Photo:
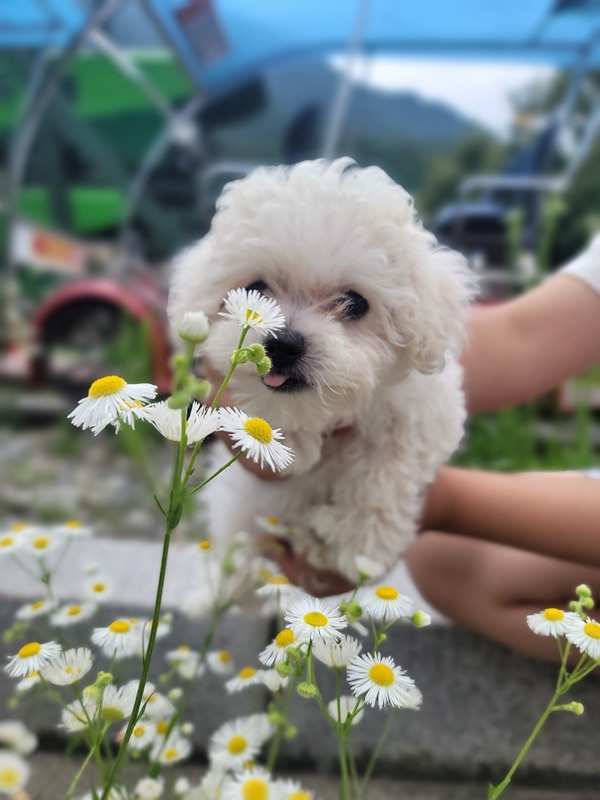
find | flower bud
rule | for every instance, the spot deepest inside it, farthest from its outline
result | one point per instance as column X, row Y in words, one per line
column 284, row 669
column 420, row 619
column 587, row 602
column 307, row 690
column 175, row 694
column 238, row 357
column 583, row 590
column 256, row 353
column 178, row 401
column 291, row 732
column 199, row 389
column 194, row 327
column 354, row 611
column 264, row 366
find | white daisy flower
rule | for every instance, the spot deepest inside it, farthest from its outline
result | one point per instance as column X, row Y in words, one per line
column 32, row 610
column 385, row 603
column 72, row 529
column 210, row 787
column 273, row 680
column 415, row 699
column 28, row 682
column 552, row 621
column 248, row 676
column 31, row 658
column 111, row 400
column 585, row 635
column 40, row 544
column 165, row 623
column 272, row 524
column 68, row 667
column 149, row 789
column 201, row 421
column 251, row 785
column 79, row 714
column 276, row 652
column 187, row 662
column 310, row 618
column 98, row 589
column 380, row 681
column 251, row 309
column 17, row 528
column 238, row 741
column 347, row 706
column 220, row 662
column 158, row 706
column 117, row 702
column 142, row 736
column 336, row 651
column 121, row 638
column 292, row 790
column 14, row 773
column 17, row 736
column 9, row 542
column 71, row 614
column 278, row 586
column 256, row 438
column 171, row 750
column 194, row 327
column 367, row 568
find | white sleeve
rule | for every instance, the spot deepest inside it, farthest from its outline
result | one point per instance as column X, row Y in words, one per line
column 587, row 265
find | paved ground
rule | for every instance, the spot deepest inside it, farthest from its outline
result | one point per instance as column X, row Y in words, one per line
column 52, row 774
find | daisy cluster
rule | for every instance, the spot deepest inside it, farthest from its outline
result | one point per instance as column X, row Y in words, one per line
column 38, row 541
column 576, row 626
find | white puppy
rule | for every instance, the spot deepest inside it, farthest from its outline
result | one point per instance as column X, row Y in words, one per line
column 365, row 383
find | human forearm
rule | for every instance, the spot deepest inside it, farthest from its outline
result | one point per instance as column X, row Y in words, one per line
column 554, row 514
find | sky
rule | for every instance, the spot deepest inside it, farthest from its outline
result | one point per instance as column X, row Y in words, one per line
column 479, row 90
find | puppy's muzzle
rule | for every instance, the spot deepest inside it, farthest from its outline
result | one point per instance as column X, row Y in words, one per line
column 285, row 351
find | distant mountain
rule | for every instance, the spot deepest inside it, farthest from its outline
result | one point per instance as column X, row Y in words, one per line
column 396, row 130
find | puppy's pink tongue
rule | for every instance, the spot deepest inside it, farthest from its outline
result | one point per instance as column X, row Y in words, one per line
column 274, row 380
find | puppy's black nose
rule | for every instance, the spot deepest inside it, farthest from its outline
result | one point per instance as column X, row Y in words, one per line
column 284, row 350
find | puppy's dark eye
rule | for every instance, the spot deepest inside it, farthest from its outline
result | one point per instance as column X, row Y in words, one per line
column 259, row 286
column 353, row 305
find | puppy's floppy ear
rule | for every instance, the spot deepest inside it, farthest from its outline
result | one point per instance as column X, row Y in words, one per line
column 431, row 320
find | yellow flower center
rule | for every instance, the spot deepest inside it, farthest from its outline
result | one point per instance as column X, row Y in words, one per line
column 183, row 648
column 171, row 753
column 592, row 629
column 386, row 593
column 112, row 713
column 247, row 672
column 99, row 588
column 162, row 726
column 41, row 543
column 68, row 670
column 139, row 731
column 381, row 674
column 204, row 545
column 284, row 638
column 255, row 789
column 299, row 795
column 315, row 619
column 36, row 606
column 237, row 745
column 119, row 626
column 259, row 430
column 73, row 524
column 104, row 386
column 273, row 520
column 10, row 778
column 279, row 580
column 31, row 649
column 224, row 656
column 74, row 611
column 253, row 316
column 6, row 541
column 554, row 614
column 18, row 527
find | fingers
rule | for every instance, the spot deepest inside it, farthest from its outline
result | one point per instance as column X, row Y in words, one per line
column 317, row 582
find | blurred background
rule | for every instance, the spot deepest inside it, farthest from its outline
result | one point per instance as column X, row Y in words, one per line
column 122, row 120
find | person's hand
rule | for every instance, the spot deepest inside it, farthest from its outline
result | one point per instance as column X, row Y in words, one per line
column 317, row 582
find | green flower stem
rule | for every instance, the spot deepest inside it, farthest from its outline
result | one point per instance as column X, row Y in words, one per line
column 285, row 712
column 496, row 791
column 345, row 793
column 93, row 752
column 218, row 472
column 377, row 750
column 232, row 367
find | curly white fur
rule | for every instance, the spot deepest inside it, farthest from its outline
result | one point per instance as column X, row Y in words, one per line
column 383, row 408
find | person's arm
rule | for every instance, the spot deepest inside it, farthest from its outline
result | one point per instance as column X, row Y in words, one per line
column 553, row 514
column 523, row 347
